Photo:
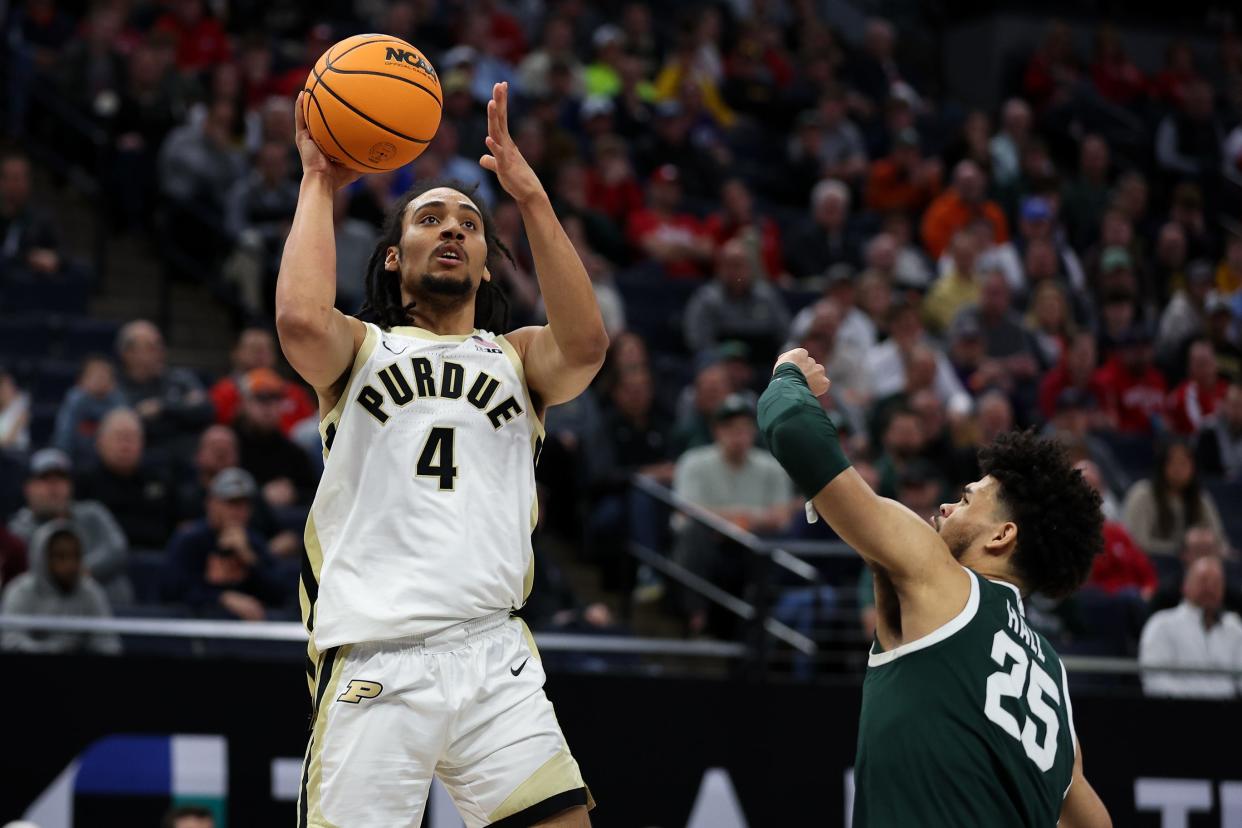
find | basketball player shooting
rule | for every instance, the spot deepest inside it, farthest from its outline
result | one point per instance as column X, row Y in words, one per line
column 966, row 715
column 418, row 542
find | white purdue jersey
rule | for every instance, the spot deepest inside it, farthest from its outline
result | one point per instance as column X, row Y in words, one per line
column 424, row 513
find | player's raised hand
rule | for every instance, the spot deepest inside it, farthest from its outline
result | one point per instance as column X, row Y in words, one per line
column 812, row 370
column 313, row 159
column 506, row 160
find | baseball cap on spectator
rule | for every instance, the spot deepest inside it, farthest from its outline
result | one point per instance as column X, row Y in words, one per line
column 606, row 35
column 50, row 461
column 1114, row 258
column 262, row 381
column 233, row 484
column 732, row 349
column 665, row 174
column 1200, row 272
column 1036, row 208
column 459, row 56
column 965, row 326
column 596, row 105
column 734, row 405
column 908, row 137
column 455, row 80
column 838, row 274
column 1075, row 399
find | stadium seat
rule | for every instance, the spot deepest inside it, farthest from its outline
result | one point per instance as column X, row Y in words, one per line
column 1228, row 496
column 51, row 379
column 146, row 572
column 83, row 335
column 42, row 422
column 26, row 335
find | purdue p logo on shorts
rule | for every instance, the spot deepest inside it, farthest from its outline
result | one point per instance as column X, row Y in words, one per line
column 359, row 690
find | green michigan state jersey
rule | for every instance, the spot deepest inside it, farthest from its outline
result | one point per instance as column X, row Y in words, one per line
column 969, row 725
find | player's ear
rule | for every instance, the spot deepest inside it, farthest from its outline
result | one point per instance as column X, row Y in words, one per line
column 487, row 273
column 1004, row 536
column 393, row 260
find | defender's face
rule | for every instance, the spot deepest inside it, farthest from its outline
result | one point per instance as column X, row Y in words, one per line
column 443, row 250
column 975, row 512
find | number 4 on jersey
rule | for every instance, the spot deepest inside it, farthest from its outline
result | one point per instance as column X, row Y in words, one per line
column 436, row 458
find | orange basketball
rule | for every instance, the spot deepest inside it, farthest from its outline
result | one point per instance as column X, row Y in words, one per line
column 372, row 103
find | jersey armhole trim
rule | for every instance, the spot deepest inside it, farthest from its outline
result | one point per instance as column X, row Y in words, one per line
column 943, row 632
column 360, row 359
column 512, row 354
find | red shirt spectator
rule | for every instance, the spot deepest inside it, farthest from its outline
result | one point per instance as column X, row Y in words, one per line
column 738, row 218
column 674, row 239
column 201, row 40
column 226, row 396
column 1131, row 389
column 1194, row 401
column 12, row 556
column 1116, row 77
column 1122, row 564
column 612, row 188
column 904, row 180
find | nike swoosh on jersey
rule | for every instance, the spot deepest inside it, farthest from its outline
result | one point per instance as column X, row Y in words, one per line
column 389, row 347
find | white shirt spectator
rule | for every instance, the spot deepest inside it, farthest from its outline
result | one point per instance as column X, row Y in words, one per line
column 1177, row 637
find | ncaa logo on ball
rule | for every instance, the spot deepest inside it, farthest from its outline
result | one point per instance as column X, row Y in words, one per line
column 414, row 59
column 380, row 152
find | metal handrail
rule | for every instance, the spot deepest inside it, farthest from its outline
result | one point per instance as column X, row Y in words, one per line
column 713, row 593
column 291, row 631
column 716, row 523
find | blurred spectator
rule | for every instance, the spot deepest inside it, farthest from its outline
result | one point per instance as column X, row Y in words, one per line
column 612, row 188
column 840, row 151
column 957, row 287
column 1219, row 450
column 482, row 56
column 1004, row 338
column 737, row 306
column 739, row 482
column 1007, row 145
column 201, row 41
column 1198, row 542
column 219, row 567
column 571, row 198
column 1219, row 324
column 280, row 467
column 1229, row 271
column 1192, row 404
column 1157, row 511
column 188, row 816
column 355, row 240
column 1131, row 388
column 1115, row 75
column 876, row 72
column 1198, row 633
column 14, row 415
column 826, row 237
column 57, row 584
column 1189, row 141
column 844, row 361
column 1085, row 197
column 1049, row 323
column 29, row 240
column 972, row 142
column 1075, row 370
column 737, row 219
column 1054, row 70
column 556, row 47
column 84, row 407
column 1121, row 565
column 445, row 151
column 673, row 140
column 696, row 409
column 49, row 496
column 1185, row 316
column 664, row 233
column 258, row 212
column 217, row 450
column 902, row 445
column 256, row 348
column 904, row 180
column 886, row 362
column 951, row 211
column 1187, row 210
column 1074, row 422
column 758, row 71
column 12, row 556
column 171, row 401
column 1169, row 265
column 138, row 496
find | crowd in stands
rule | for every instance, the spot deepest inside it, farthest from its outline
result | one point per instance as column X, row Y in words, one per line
column 739, row 179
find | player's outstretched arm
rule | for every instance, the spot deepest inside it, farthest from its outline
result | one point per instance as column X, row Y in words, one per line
column 1083, row 807
column 561, row 358
column 804, row 440
column 319, row 341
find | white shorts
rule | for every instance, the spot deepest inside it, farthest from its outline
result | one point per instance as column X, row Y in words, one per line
column 465, row 705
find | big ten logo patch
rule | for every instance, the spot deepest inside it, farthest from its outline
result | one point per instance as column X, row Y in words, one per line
column 358, row 689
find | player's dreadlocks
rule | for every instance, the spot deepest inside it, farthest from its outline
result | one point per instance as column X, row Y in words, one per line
column 382, row 302
column 1056, row 511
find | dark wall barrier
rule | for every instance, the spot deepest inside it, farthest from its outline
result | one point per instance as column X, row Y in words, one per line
column 136, row 734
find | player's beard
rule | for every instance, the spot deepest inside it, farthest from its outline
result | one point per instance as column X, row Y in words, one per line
column 953, row 538
column 444, row 289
